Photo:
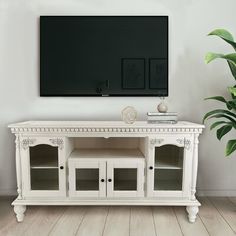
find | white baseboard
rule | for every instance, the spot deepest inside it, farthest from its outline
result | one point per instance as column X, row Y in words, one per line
column 216, row 193
column 8, row 192
column 200, row 193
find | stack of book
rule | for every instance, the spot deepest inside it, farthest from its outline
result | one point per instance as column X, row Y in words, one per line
column 158, row 117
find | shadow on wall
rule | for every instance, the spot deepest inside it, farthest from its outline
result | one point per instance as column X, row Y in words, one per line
column 7, row 161
column 196, row 81
column 191, row 82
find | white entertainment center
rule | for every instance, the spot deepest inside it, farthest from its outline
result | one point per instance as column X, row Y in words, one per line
column 106, row 163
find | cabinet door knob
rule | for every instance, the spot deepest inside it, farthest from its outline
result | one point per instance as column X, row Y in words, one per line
column 61, row 167
column 102, row 180
column 109, row 180
column 151, row 167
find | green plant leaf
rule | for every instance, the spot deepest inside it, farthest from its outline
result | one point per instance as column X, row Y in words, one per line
column 225, row 35
column 210, row 56
column 232, row 67
column 222, row 33
column 218, row 123
column 230, row 147
column 218, row 98
column 223, row 131
column 230, row 57
column 233, row 97
column 231, row 105
column 223, row 116
column 232, row 90
column 218, row 111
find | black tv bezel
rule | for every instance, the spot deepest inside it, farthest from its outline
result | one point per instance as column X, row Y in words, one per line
column 107, row 95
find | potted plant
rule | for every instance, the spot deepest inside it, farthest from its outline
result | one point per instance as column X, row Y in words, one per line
column 226, row 118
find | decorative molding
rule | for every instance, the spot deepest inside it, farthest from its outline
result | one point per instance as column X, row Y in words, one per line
column 57, row 141
column 156, row 141
column 17, row 141
column 196, row 141
column 27, row 142
column 194, row 166
column 18, row 167
column 148, row 129
column 180, row 141
column 185, row 142
column 193, row 192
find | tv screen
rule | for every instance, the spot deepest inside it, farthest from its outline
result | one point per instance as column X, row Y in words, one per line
column 104, row 56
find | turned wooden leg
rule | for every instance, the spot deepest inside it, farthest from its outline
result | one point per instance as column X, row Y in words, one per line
column 192, row 213
column 19, row 210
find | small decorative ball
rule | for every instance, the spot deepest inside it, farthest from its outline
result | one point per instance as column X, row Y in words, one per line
column 162, row 107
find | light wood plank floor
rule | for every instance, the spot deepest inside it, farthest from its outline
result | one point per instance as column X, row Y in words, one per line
column 217, row 216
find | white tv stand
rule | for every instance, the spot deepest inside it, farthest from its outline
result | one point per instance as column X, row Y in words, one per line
column 106, row 163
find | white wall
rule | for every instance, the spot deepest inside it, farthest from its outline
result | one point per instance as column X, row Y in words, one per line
column 190, row 79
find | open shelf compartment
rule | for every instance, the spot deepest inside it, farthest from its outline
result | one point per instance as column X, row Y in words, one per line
column 106, row 153
column 106, row 166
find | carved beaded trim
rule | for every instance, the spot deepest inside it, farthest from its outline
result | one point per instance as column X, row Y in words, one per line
column 104, row 129
column 57, row 141
column 27, row 142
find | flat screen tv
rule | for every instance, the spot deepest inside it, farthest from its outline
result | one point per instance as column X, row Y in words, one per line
column 104, row 56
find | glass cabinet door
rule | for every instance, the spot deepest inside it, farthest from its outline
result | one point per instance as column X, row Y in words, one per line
column 125, row 178
column 44, row 173
column 168, row 168
column 87, row 178
column 167, row 175
column 43, row 166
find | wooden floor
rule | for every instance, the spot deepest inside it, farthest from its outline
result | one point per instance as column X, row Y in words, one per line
column 217, row 216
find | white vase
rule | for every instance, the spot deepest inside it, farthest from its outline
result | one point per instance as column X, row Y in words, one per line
column 162, row 107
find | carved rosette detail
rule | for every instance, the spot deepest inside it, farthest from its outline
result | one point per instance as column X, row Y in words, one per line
column 57, row 141
column 180, row 141
column 185, row 142
column 27, row 142
column 156, row 141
